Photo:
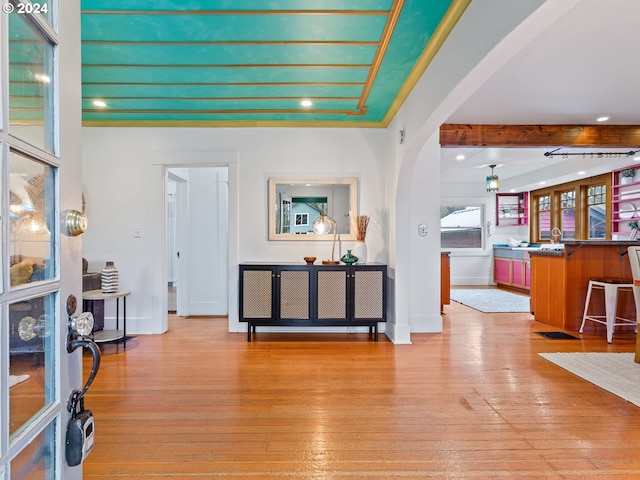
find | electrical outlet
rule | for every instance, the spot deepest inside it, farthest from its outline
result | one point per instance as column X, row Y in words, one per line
column 137, row 232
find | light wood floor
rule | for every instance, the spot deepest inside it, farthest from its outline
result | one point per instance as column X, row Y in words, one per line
column 473, row 402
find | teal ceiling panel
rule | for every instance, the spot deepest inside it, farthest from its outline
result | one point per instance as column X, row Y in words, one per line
column 232, row 28
column 224, row 61
column 210, row 75
column 403, row 51
column 188, row 5
column 168, row 105
column 228, row 55
column 220, row 118
column 219, row 91
column 25, row 89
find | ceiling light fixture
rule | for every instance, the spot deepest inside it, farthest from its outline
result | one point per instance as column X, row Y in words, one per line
column 602, row 119
column 306, row 103
column 41, row 77
column 99, row 103
column 492, row 181
column 460, row 157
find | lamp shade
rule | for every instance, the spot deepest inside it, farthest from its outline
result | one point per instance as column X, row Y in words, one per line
column 323, row 225
column 492, row 181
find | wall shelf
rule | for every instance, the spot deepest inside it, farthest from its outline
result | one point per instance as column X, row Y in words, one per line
column 625, row 203
column 512, row 209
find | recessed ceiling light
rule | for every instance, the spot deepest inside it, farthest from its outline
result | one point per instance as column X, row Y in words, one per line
column 41, row 77
column 602, row 119
column 460, row 157
column 582, row 172
column 636, row 159
column 513, row 190
column 543, row 183
column 306, row 103
column 99, row 103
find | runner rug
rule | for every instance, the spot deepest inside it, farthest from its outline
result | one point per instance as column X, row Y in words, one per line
column 614, row 372
column 491, row 300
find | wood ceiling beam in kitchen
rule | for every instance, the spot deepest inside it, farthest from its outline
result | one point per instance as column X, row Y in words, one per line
column 458, row 135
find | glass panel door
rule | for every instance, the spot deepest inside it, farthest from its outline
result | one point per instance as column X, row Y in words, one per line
column 31, row 83
column 32, row 326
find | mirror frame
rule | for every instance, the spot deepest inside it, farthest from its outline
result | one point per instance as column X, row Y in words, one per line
column 353, row 207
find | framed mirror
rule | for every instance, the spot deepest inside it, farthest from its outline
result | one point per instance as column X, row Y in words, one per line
column 296, row 203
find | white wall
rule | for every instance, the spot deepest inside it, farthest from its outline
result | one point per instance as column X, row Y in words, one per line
column 123, row 183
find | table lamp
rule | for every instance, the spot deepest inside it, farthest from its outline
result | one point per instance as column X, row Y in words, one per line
column 323, row 225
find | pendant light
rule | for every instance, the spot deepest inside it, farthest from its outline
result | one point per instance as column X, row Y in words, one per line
column 492, row 181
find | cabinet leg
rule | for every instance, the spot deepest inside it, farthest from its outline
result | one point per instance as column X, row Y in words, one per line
column 249, row 332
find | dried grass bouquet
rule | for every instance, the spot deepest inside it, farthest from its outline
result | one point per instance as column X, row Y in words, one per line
column 362, row 222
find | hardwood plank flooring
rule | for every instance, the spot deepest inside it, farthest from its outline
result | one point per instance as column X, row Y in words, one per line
column 473, row 402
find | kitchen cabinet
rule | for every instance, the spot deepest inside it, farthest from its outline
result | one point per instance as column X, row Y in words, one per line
column 512, row 209
column 445, row 279
column 313, row 295
column 512, row 268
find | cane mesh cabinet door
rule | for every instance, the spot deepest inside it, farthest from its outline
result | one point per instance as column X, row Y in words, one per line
column 332, row 295
column 295, row 288
column 256, row 292
column 369, row 293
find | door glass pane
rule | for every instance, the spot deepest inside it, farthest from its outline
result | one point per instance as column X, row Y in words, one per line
column 31, row 214
column 30, row 84
column 31, row 359
column 37, row 460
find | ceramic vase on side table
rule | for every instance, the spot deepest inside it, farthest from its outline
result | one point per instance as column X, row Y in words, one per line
column 109, row 278
column 360, row 251
column 349, row 258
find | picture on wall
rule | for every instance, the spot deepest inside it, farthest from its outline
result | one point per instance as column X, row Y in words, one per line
column 302, row 219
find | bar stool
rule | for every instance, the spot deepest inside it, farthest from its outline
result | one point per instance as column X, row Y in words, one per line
column 610, row 287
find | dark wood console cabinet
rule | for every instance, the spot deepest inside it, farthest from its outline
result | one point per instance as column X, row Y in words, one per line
column 313, row 295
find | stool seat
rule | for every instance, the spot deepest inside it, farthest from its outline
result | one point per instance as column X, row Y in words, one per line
column 610, row 287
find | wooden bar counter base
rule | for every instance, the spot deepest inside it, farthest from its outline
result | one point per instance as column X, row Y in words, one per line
column 559, row 281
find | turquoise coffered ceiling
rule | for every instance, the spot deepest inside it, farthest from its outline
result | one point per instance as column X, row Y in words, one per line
column 252, row 62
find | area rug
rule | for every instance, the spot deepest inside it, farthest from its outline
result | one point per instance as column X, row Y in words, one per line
column 16, row 379
column 614, row 372
column 491, row 300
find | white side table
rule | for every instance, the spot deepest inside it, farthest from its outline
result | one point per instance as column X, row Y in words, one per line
column 102, row 336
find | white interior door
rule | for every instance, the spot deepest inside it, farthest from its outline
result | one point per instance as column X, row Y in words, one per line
column 182, row 247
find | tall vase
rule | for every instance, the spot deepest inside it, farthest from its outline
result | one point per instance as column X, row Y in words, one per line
column 109, row 278
column 360, row 251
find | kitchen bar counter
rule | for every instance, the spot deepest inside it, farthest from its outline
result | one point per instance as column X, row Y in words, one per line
column 559, row 280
